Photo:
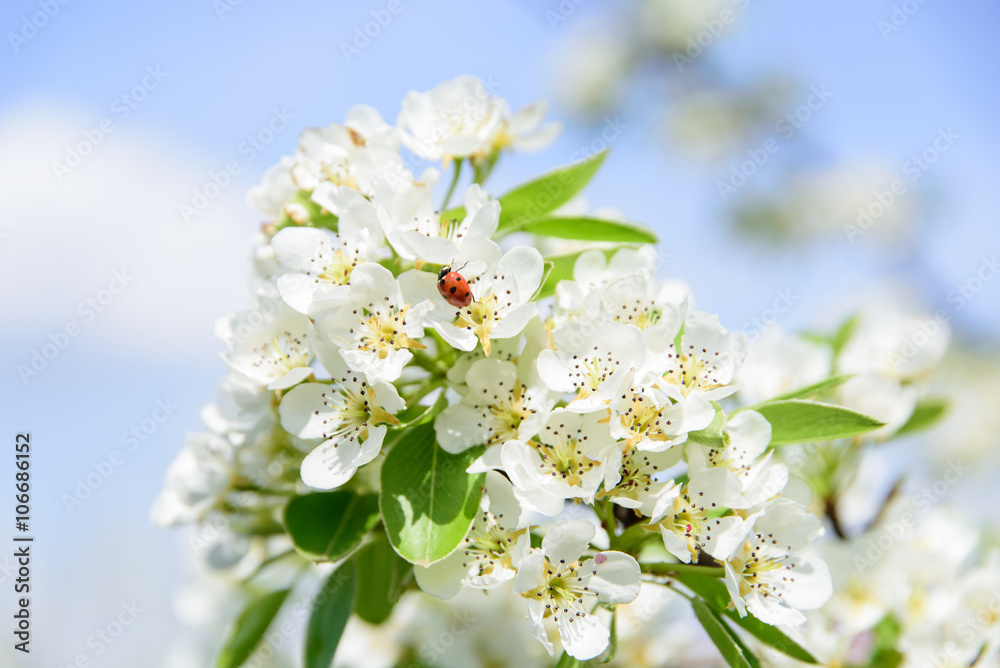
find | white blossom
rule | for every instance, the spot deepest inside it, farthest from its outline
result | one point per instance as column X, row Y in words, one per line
column 769, row 575
column 492, row 551
column 566, row 462
column 501, row 304
column 378, row 326
column 349, row 417
column 560, row 583
column 497, row 407
column 268, row 344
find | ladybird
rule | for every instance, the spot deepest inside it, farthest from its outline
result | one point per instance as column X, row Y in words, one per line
column 453, row 287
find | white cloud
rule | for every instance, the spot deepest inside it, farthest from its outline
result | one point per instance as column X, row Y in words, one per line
column 62, row 240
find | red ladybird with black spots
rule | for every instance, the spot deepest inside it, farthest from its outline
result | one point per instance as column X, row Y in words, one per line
column 454, row 288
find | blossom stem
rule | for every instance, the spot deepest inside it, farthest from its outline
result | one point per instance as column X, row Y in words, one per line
column 454, row 182
column 606, row 511
column 429, row 364
column 664, row 568
column 423, row 391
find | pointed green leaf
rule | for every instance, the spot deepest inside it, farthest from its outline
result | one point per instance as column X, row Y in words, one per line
column 548, row 192
column 801, row 421
column 381, row 575
column 587, row 228
column 747, row 652
column 331, row 608
column 844, row 334
column 250, row 628
column 809, row 390
column 428, row 501
column 326, row 526
column 929, row 411
column 717, row 631
column 714, row 592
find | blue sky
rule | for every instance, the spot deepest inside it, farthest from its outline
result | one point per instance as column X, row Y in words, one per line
column 225, row 76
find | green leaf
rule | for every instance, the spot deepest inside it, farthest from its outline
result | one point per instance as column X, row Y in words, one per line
column 380, row 576
column 454, row 213
column 331, row 608
column 809, row 390
column 326, row 526
column 886, row 633
column 548, row 267
column 250, row 628
column 562, row 270
column 929, row 411
column 548, row 192
column 714, row 434
column 428, row 501
column 800, row 421
column 747, row 653
column 714, row 592
column 717, row 631
column 587, row 228
column 318, row 217
column 844, row 334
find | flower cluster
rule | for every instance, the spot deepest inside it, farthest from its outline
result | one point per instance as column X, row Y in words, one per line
column 556, row 426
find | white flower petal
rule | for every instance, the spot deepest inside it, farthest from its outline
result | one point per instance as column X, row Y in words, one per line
column 582, row 637
column 298, row 411
column 616, row 579
column 566, row 541
column 458, row 429
column 443, row 578
column 293, row 377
